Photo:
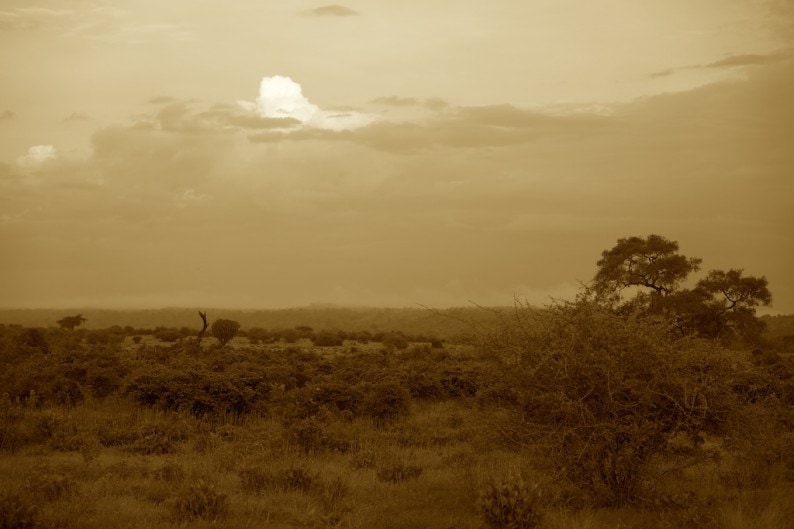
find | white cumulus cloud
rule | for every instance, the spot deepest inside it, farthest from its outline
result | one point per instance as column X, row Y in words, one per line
column 37, row 155
column 281, row 97
column 189, row 197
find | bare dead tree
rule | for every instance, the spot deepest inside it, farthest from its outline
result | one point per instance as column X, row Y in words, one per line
column 204, row 328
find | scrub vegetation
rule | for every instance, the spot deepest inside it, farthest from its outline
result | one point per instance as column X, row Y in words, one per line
column 669, row 409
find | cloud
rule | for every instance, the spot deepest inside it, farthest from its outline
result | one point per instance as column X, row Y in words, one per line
column 434, row 103
column 396, row 101
column 732, row 61
column 161, row 100
column 747, row 59
column 29, row 18
column 179, row 117
column 77, row 116
column 504, row 190
column 282, row 98
column 189, row 197
column 36, row 156
column 7, row 116
column 333, row 10
column 461, row 127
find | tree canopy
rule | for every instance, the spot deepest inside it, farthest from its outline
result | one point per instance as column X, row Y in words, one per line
column 652, row 262
column 721, row 305
column 70, row 322
column 225, row 330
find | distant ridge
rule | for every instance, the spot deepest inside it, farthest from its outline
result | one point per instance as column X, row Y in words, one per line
column 416, row 320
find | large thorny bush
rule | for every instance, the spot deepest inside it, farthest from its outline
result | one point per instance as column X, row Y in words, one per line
column 605, row 394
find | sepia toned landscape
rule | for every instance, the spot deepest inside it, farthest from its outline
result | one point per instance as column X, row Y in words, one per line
column 415, row 265
column 672, row 408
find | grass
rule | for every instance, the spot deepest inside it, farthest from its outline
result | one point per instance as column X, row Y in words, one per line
column 112, row 463
column 427, row 469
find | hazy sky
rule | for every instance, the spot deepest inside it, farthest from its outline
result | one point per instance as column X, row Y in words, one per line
column 277, row 153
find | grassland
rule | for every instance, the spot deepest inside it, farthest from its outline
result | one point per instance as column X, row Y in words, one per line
column 114, row 433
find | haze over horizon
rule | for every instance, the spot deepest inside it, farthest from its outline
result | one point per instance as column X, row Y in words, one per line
column 279, row 154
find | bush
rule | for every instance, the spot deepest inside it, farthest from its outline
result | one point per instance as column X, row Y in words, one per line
column 396, row 340
column 384, row 402
column 605, row 393
column 18, row 512
column 510, row 504
column 327, row 339
column 290, row 479
column 225, row 330
column 200, row 501
column 47, row 486
column 168, row 335
column 308, row 434
column 201, row 393
column 397, row 472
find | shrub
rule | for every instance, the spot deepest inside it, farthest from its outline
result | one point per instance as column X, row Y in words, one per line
column 308, row 434
column 396, row 340
column 291, row 479
column 33, row 340
column 18, row 512
column 171, row 472
column 225, row 330
column 255, row 479
column 384, row 402
column 200, row 501
column 510, row 504
column 397, row 472
column 199, row 392
column 327, row 339
column 363, row 459
column 296, row 478
column 168, row 335
column 48, row 486
column 604, row 393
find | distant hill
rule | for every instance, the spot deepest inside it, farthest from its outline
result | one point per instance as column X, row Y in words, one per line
column 443, row 323
column 778, row 326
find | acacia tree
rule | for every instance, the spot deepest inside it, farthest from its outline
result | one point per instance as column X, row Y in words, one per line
column 70, row 322
column 720, row 306
column 723, row 304
column 225, row 330
column 652, row 262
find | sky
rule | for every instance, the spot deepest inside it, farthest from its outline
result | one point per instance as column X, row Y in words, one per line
column 254, row 154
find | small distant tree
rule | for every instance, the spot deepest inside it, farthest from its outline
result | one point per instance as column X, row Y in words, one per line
column 225, row 330
column 70, row 322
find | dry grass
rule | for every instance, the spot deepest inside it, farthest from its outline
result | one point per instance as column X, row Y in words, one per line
column 435, row 462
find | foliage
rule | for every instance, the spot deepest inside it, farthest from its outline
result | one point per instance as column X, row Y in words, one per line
column 225, row 330
column 327, row 339
column 651, row 262
column 606, row 394
column 384, row 401
column 200, row 501
column 398, row 471
column 18, row 511
column 721, row 305
column 197, row 391
column 34, row 340
column 168, row 335
column 70, row 322
column 510, row 504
